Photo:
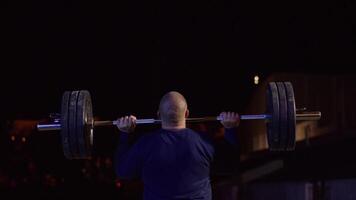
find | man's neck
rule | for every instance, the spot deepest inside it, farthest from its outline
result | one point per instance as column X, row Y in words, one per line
column 175, row 127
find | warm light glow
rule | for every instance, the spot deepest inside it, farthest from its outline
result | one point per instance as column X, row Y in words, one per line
column 256, row 79
column 13, row 138
column 118, row 184
column 23, row 139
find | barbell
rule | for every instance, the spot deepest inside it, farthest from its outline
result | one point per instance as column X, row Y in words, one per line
column 76, row 122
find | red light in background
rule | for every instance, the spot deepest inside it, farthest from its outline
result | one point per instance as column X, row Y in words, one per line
column 118, row 184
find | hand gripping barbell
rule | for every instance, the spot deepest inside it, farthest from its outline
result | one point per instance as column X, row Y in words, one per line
column 76, row 122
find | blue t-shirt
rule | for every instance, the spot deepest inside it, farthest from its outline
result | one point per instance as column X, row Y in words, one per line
column 172, row 164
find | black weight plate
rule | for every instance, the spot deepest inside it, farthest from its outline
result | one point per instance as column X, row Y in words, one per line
column 283, row 116
column 84, row 124
column 73, row 137
column 89, row 123
column 272, row 105
column 291, row 115
column 65, row 124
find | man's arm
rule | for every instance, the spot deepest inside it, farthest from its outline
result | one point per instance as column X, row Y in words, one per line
column 230, row 121
column 227, row 149
column 230, row 136
column 128, row 158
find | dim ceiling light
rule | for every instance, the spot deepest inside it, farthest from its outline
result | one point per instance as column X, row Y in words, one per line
column 256, row 79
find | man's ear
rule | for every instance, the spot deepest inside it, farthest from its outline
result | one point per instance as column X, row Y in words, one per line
column 187, row 113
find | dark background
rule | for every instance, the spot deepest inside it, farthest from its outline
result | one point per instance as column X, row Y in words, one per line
column 129, row 53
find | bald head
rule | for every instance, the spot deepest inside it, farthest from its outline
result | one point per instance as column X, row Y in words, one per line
column 173, row 108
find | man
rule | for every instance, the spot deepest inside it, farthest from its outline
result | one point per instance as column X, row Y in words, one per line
column 174, row 161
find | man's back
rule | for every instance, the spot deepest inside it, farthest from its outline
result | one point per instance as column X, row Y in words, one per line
column 173, row 164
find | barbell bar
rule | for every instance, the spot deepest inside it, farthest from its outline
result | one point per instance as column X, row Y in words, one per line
column 76, row 122
column 307, row 116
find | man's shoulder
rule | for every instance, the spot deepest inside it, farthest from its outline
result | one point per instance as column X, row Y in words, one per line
column 149, row 135
column 154, row 135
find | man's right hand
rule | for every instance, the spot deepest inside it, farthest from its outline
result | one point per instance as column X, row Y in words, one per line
column 126, row 124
